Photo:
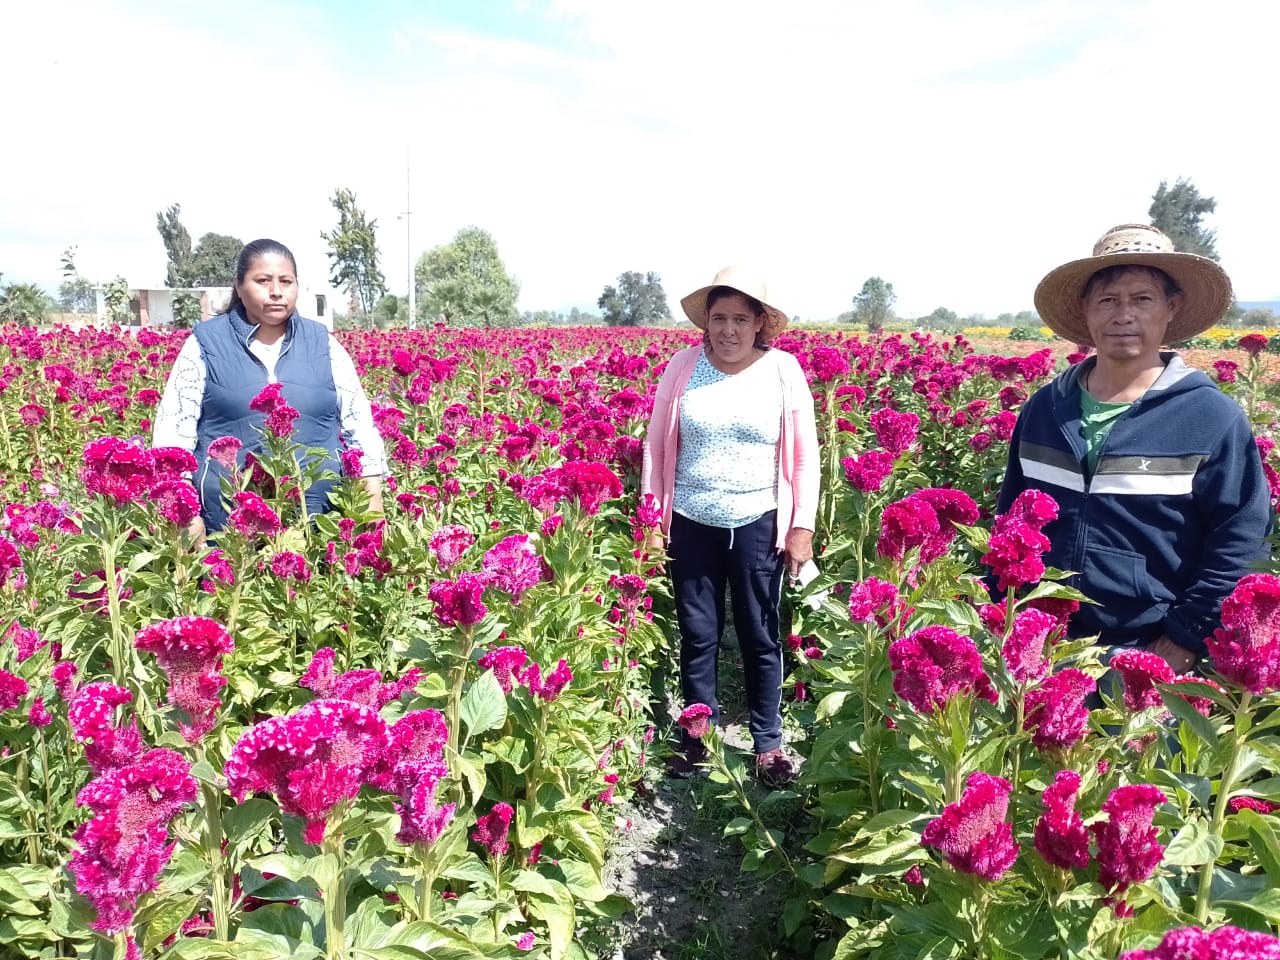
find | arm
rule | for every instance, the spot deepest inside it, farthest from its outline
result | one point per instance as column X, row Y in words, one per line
column 654, row 465
column 807, row 476
column 355, row 418
column 178, row 416
column 1235, row 508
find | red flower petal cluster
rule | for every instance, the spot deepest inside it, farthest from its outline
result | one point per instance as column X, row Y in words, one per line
column 695, row 720
column 491, row 830
column 1024, row 648
column 1221, row 943
column 459, row 602
column 91, row 714
column 363, row 687
column 895, row 431
column 1140, row 671
column 1127, row 849
column 449, row 543
column 190, row 651
column 973, row 834
column 1060, row 836
column 253, row 517
column 513, row 565
column 869, row 471
column 935, row 664
column 1246, row 649
column 1056, row 712
column 1017, row 543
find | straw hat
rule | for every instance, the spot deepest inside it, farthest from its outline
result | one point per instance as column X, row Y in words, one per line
column 745, row 281
column 1205, row 286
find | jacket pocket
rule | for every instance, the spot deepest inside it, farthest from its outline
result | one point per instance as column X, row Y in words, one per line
column 1118, row 581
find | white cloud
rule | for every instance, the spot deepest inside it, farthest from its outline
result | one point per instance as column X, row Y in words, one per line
column 957, row 150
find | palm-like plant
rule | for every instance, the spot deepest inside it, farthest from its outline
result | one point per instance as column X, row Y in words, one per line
column 24, row 304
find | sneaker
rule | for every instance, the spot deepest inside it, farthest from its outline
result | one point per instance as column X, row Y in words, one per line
column 773, row 769
column 685, row 760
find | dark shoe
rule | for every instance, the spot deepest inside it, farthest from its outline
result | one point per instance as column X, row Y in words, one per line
column 773, row 769
column 685, row 760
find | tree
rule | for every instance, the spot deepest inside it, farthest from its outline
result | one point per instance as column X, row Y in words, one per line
column 24, row 304
column 177, row 245
column 116, row 296
column 75, row 293
column 214, row 262
column 941, row 319
column 637, row 301
column 464, row 283
column 186, row 310
column 874, row 304
column 353, row 252
column 1177, row 211
column 391, row 311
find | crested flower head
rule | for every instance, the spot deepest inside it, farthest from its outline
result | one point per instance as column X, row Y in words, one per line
column 1221, row 943
column 1246, row 649
column 875, row 601
column 177, row 501
column 190, row 651
column 973, row 834
column 506, row 664
column 868, row 471
column 91, row 714
column 1024, row 648
column 253, row 517
column 935, row 664
column 1015, row 554
column 363, row 687
column 1140, row 671
column 12, row 690
column 1060, row 836
column 695, row 720
column 117, row 469
column 895, row 431
column 1056, row 712
column 1127, row 849
column 459, row 602
column 491, row 830
column 513, row 566
column 449, row 543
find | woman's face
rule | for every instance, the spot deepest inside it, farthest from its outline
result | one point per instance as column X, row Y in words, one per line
column 269, row 290
column 732, row 329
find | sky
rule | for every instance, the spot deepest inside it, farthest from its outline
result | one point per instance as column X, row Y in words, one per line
column 959, row 150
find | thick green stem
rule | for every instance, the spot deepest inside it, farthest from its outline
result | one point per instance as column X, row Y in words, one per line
column 459, row 678
column 870, row 716
column 1225, row 786
column 1020, row 705
column 534, row 774
column 29, row 817
column 426, row 880
column 219, row 886
column 119, row 651
column 335, row 894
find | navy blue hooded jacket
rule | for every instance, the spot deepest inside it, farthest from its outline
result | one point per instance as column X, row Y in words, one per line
column 1174, row 515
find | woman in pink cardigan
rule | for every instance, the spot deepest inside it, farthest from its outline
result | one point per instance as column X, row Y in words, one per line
column 731, row 456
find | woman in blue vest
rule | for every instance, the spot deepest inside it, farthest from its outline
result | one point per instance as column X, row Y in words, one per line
column 230, row 358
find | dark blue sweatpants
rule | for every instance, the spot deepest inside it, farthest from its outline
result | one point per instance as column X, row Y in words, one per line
column 745, row 560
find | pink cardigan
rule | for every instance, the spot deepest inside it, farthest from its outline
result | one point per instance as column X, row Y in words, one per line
column 799, row 471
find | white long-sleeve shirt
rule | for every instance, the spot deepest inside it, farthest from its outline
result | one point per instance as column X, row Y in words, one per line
column 178, row 415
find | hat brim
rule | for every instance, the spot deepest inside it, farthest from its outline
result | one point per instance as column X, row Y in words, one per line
column 695, row 308
column 1205, row 286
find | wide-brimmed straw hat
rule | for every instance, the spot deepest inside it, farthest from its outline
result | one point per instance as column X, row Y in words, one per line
column 744, row 280
column 1205, row 286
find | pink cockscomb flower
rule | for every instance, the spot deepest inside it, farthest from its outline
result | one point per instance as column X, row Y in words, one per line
column 695, row 720
column 1140, row 671
column 513, row 566
column 506, row 664
column 554, row 684
column 449, row 543
column 951, row 507
column 253, row 517
column 268, row 398
column 1256, row 804
column 1024, row 648
column 874, row 601
column 973, row 834
column 459, row 602
column 64, row 679
column 177, row 501
column 280, row 420
column 117, row 469
column 1246, row 648
column 190, row 651
column 935, row 664
column 313, row 759
column 869, row 471
column 491, row 830
column 12, row 690
column 1221, row 943
column 364, row 687
column 91, row 714
column 223, row 451
column 895, row 431
column 1253, row 343
column 1127, row 849
column 172, row 463
column 287, row 565
column 123, row 849
column 1060, row 836
column 1015, row 555
column 38, row 716
column 1055, row 711
column 904, row 525
column 590, row 484
column 10, row 564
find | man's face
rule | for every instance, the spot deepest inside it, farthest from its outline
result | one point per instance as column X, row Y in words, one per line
column 1128, row 315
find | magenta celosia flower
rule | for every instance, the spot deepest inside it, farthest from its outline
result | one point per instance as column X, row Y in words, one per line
column 631, row 590
column 951, row 507
column 352, row 462
column 38, row 716
column 26, row 641
column 280, row 420
column 1015, row 555
column 10, row 564
column 1253, row 343
column 1202, row 705
column 32, row 414
column 1060, row 608
column 1140, row 671
column 190, row 651
column 828, row 363
column 648, row 513
column 459, row 602
column 1246, row 649
column 312, row 759
column 91, row 713
column 695, row 720
column 124, row 848
column 526, row 940
column 551, row 688
column 176, row 500
column 223, row 452
column 117, row 469
column 64, row 679
column 590, row 484
column 1226, row 370
column 172, row 463
column 449, row 543
column 268, row 398
column 1060, row 835
column 895, row 431
column 904, row 525
column 1221, row 943
column 869, row 471
column 973, row 834
column 364, row 687
column 513, row 566
column 291, row 566
column 12, row 690
column 1024, row 648
column 1127, row 849
column 412, row 766
column 1032, row 507
column 506, row 664
column 422, row 818
column 253, row 517
column 935, row 664
column 1256, row 804
column 874, row 601
column 1056, row 712
column 491, row 830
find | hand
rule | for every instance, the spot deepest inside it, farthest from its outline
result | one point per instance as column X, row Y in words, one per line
column 1179, row 659
column 799, row 549
column 655, row 545
column 196, row 532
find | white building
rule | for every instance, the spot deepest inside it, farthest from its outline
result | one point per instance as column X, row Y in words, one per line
column 154, row 307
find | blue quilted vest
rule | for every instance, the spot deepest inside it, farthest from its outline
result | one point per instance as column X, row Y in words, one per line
column 235, row 376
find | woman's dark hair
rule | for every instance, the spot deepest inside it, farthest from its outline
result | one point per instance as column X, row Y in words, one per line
column 1108, row 274
column 251, row 252
column 755, row 306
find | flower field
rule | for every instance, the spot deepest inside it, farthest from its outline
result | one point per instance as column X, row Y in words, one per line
column 403, row 737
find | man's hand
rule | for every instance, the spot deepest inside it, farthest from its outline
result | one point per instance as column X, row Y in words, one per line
column 196, row 532
column 1179, row 659
column 799, row 549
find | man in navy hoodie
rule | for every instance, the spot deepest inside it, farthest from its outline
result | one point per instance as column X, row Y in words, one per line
column 1163, row 504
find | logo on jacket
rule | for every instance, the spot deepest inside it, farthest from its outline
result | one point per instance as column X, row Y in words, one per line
column 1143, row 464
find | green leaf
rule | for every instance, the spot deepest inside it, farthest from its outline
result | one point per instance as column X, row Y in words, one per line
column 484, row 705
column 1266, row 903
column 247, row 819
column 737, row 826
column 1185, row 712
column 1263, row 841
column 165, row 919
column 557, row 913
column 1193, row 845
